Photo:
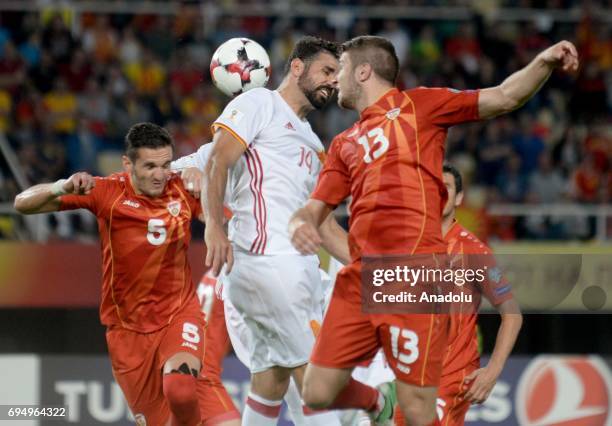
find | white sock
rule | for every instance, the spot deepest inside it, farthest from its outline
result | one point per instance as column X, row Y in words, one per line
column 323, row 418
column 294, row 404
column 259, row 411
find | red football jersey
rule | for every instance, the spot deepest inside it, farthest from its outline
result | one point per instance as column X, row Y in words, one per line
column 462, row 347
column 390, row 162
column 146, row 275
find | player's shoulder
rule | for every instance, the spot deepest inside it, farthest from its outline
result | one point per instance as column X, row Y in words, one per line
column 471, row 243
column 347, row 134
column 259, row 95
column 115, row 180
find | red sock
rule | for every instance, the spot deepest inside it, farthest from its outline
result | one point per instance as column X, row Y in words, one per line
column 181, row 394
column 356, row 395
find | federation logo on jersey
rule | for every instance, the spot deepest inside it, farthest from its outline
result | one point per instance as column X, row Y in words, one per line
column 235, row 116
column 289, row 126
column 140, row 420
column 569, row 391
column 174, row 208
column 393, row 114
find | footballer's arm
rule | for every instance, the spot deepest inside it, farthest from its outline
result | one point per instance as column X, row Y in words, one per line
column 226, row 152
column 519, row 87
column 335, row 239
column 44, row 198
column 304, row 226
column 482, row 380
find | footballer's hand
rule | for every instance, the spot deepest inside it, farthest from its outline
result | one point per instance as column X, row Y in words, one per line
column 79, row 183
column 561, row 55
column 304, row 237
column 192, row 179
column 480, row 384
column 219, row 249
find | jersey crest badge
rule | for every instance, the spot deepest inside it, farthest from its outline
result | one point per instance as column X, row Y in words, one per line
column 289, row 126
column 174, row 208
column 393, row 114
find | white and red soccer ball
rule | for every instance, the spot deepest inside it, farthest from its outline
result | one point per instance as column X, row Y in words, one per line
column 238, row 65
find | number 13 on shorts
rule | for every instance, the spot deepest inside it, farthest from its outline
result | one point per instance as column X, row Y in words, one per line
column 404, row 347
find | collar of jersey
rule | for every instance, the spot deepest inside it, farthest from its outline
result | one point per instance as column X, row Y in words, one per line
column 374, row 109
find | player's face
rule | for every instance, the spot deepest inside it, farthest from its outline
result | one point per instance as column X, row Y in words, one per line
column 150, row 171
column 349, row 90
column 319, row 80
column 454, row 198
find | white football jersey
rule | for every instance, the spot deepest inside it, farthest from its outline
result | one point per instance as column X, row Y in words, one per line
column 276, row 174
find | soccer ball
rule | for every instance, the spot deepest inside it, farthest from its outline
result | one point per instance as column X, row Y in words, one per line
column 238, row 65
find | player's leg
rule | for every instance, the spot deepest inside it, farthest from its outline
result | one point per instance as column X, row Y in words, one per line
column 216, row 406
column 414, row 346
column 273, row 295
column 306, row 415
column 346, row 339
column 180, row 355
column 133, row 359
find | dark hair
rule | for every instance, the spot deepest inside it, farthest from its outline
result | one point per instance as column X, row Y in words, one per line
column 308, row 47
column 447, row 168
column 376, row 51
column 146, row 135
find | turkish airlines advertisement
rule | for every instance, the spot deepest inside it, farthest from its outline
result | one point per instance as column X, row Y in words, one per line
column 541, row 391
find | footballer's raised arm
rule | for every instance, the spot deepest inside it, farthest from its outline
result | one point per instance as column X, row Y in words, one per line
column 225, row 153
column 44, row 198
column 519, row 87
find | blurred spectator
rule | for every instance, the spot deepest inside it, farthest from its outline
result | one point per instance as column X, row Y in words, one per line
column 58, row 40
column 493, row 152
column 94, row 107
column 30, row 50
column 185, row 74
column 12, row 69
column 147, row 75
column 589, row 183
column 43, row 76
column 101, row 40
column 464, row 47
column 77, row 72
column 61, row 107
column 527, row 144
column 130, row 48
column 426, row 50
column 546, row 185
column 512, row 182
column 398, row 36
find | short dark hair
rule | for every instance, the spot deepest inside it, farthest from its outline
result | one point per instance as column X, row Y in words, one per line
column 146, row 135
column 448, row 168
column 376, row 51
column 308, row 47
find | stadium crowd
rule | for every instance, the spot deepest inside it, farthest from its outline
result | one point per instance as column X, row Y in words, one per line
column 70, row 90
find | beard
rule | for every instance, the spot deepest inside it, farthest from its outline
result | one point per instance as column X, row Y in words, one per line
column 347, row 98
column 313, row 93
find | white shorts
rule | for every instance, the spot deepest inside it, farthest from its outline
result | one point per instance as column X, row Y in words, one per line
column 278, row 298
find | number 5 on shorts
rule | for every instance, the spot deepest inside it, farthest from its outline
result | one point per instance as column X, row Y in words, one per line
column 191, row 333
column 409, row 350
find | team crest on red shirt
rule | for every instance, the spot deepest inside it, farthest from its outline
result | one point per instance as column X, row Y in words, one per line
column 393, row 114
column 174, row 208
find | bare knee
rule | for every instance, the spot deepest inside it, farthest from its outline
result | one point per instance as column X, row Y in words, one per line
column 321, row 385
column 315, row 394
column 271, row 384
column 417, row 404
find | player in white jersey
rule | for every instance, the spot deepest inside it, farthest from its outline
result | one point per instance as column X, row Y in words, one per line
column 272, row 156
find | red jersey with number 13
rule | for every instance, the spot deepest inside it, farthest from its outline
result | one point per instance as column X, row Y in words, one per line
column 146, row 275
column 390, row 162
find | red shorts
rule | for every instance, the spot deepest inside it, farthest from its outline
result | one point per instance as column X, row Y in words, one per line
column 216, row 405
column 413, row 343
column 138, row 358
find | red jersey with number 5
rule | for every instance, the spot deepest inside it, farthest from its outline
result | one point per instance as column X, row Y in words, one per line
column 146, row 275
column 390, row 162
